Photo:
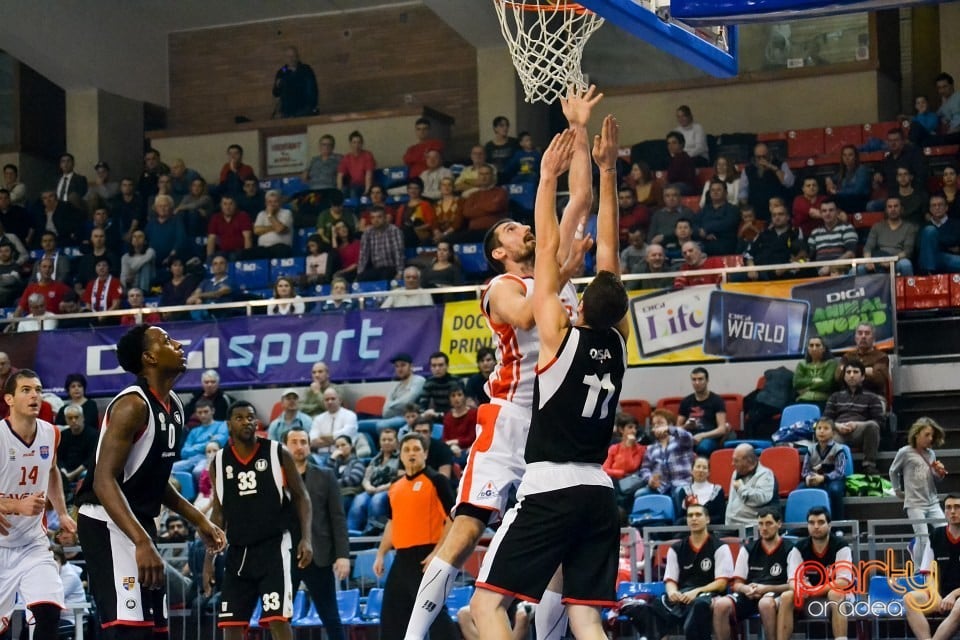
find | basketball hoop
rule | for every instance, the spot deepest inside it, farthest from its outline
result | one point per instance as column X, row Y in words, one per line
column 546, row 41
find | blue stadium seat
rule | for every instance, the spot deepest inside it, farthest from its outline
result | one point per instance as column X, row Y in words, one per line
column 638, row 589
column 321, row 290
column 72, row 252
column 848, row 468
column 301, row 607
column 459, row 597
column 652, row 510
column 801, row 500
column 251, row 274
column 348, row 604
column 388, row 177
column 456, row 169
column 187, row 488
column 290, row 185
column 257, row 613
column 36, row 254
column 300, row 241
column 370, row 287
column 397, row 199
column 471, row 257
column 290, row 267
column 799, row 413
column 363, row 567
column 522, row 194
column 371, row 612
column 309, row 619
column 879, row 590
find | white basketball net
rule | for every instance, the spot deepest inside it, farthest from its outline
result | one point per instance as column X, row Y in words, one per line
column 546, row 43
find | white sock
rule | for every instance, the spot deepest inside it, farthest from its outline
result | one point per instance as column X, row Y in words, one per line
column 841, row 638
column 431, row 597
column 550, row 621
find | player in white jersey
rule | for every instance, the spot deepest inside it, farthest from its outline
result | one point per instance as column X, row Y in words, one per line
column 29, row 475
column 495, row 463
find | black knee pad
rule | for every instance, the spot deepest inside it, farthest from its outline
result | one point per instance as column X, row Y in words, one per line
column 46, row 620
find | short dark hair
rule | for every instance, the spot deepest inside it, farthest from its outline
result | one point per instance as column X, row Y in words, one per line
column 827, row 354
column 239, row 404
column 819, row 511
column 425, row 121
column 676, row 135
column 685, row 110
column 856, row 364
column 11, row 385
column 203, row 402
column 355, row 134
column 423, row 420
column 679, row 220
column 944, row 76
column 415, row 181
column 500, row 119
column 413, row 435
column 706, row 374
column 951, row 496
column 411, row 408
column 604, row 301
column 714, row 181
column 483, row 352
column 773, row 512
column 830, row 200
column 896, row 131
column 440, row 354
column 66, row 155
column 287, row 433
column 706, row 512
column 491, row 242
column 13, row 167
column 4, row 191
column 130, row 349
column 75, row 377
column 345, row 437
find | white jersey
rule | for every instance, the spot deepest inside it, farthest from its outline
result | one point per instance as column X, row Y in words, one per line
column 518, row 349
column 26, row 470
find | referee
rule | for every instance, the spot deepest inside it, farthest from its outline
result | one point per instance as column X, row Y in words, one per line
column 416, row 521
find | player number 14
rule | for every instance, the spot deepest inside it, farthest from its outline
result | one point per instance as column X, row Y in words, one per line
column 31, row 475
column 594, row 386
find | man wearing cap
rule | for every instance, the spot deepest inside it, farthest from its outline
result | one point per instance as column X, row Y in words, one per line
column 102, row 188
column 291, row 418
column 407, row 391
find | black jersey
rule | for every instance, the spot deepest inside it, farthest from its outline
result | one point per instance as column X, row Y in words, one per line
column 835, row 547
column 690, row 567
column 157, row 446
column 575, row 398
column 946, row 551
column 253, row 494
column 767, row 567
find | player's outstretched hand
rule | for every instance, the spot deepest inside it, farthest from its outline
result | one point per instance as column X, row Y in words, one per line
column 577, row 108
column 149, row 566
column 212, row 536
column 606, row 145
column 572, row 267
column 304, row 554
column 556, row 158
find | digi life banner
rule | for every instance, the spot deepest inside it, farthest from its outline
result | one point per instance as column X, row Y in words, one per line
column 747, row 327
column 668, row 322
column 255, row 350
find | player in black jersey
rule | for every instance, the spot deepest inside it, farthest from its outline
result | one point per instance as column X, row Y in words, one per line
column 139, row 441
column 944, row 548
column 761, row 573
column 819, row 551
column 255, row 483
column 566, row 511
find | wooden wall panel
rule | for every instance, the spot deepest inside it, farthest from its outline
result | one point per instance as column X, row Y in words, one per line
column 379, row 59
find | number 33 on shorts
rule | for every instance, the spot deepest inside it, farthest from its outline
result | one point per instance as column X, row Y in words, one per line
column 271, row 601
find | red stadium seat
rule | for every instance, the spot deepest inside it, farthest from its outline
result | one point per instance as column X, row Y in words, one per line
column 276, row 411
column 721, row 468
column 770, row 136
column 901, row 293
column 927, row 292
column 691, row 202
column 835, row 138
column 946, row 150
column 866, row 219
column 639, row 409
column 671, row 404
column 879, row 130
column 734, row 402
column 805, row 143
column 370, row 405
column 785, row 464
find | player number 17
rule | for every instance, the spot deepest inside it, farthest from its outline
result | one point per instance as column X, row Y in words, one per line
column 594, row 386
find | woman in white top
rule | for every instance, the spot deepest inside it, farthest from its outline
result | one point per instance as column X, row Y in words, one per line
column 723, row 169
column 695, row 140
column 285, row 300
column 701, row 491
column 914, row 475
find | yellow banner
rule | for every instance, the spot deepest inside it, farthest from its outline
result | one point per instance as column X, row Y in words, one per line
column 464, row 331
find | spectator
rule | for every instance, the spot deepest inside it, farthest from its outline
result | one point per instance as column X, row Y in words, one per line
column 634, row 256
column 668, row 461
column 136, row 302
column 104, row 293
column 321, row 173
column 102, row 220
column 431, row 176
column 700, row 491
column 102, row 188
column 321, row 261
column 128, row 208
column 348, row 248
column 502, row 147
column 902, row 155
column 274, row 229
column 704, row 414
column 369, row 509
column 750, row 228
column 71, row 186
column 927, row 602
column 719, row 222
column 76, row 387
column 11, row 283
column 664, row 220
column 624, row 459
column 468, row 178
column 215, row 289
column 38, row 318
column 355, row 171
column 835, row 240
column 50, row 290
column 914, row 200
column 197, row 207
column 415, row 217
column 655, row 262
column 347, row 468
column 948, row 187
column 15, row 218
column 313, row 403
column 725, row 170
column 338, row 302
column 166, row 233
column 648, row 189
column 824, row 466
column 444, row 270
column 182, row 179
column 164, row 188
column 61, row 218
column 71, row 305
column 84, row 267
column 460, row 425
column 251, row 197
column 524, row 165
column 230, row 231
column 695, row 140
column 924, row 123
column 203, row 501
column 407, row 390
column 78, row 444
column 851, row 186
column 448, row 211
column 891, row 237
column 764, row 178
column 752, row 487
column 475, row 387
column 949, row 110
column 12, row 184
column 193, row 456
column 814, row 378
column 336, row 421
column 857, row 414
column 939, row 240
column 178, row 288
column 295, row 87
column 6, row 370
column 778, row 244
column 806, row 207
column 482, row 208
column 285, row 299
column 290, row 418
column 632, row 213
column 415, row 155
column 153, row 168
column 695, row 260
column 681, row 172
column 210, row 390
column 381, row 250
column 434, row 400
column 332, row 215
column 875, row 361
column 682, row 234
column 137, row 265
column 439, row 455
column 61, row 263
column 234, row 172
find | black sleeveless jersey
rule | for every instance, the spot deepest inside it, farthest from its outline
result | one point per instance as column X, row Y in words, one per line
column 767, row 567
column 946, row 551
column 253, row 494
column 146, row 473
column 829, row 557
column 575, row 398
column 697, row 566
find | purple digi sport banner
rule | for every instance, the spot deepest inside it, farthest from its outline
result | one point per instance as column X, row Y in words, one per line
column 252, row 350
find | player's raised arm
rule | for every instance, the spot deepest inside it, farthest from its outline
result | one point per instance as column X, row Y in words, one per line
column 577, row 110
column 550, row 316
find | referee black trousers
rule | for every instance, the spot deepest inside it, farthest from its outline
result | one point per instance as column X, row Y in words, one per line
column 400, row 595
column 322, row 586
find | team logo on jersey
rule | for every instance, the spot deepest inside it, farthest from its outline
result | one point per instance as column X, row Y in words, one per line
column 260, row 465
column 177, row 420
column 44, row 451
column 488, row 491
column 128, row 583
column 706, row 564
column 776, row 570
column 228, row 471
column 600, row 354
column 131, row 604
column 163, row 422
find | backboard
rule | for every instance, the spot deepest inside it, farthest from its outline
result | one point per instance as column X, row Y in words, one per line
column 697, row 12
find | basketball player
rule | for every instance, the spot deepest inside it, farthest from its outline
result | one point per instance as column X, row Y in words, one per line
column 29, row 473
column 140, row 439
column 495, row 463
column 566, row 509
column 254, row 482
